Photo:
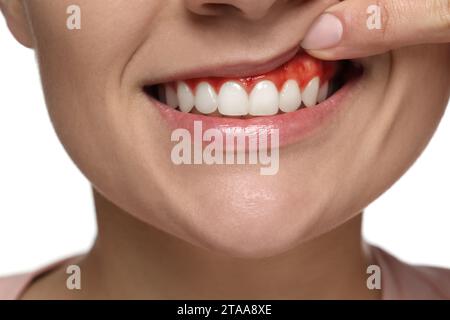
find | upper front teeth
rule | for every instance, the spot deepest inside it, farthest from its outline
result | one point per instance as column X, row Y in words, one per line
column 311, row 92
column 206, row 100
column 264, row 99
column 290, row 96
column 233, row 100
column 185, row 97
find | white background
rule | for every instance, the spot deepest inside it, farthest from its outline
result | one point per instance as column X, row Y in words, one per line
column 46, row 208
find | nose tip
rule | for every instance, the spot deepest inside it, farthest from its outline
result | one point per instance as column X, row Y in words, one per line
column 249, row 9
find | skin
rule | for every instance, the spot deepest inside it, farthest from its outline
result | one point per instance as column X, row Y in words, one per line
column 236, row 233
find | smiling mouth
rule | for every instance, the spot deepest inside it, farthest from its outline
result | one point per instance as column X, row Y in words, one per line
column 300, row 83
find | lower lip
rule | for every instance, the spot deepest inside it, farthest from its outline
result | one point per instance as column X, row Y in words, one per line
column 292, row 127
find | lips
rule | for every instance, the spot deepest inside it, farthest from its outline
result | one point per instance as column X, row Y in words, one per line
column 294, row 98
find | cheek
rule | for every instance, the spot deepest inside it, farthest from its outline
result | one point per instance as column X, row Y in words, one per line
column 81, row 70
column 421, row 92
column 402, row 123
column 110, row 32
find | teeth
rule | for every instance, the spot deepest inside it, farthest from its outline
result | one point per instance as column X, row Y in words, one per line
column 290, row 96
column 171, row 97
column 233, row 100
column 310, row 92
column 185, row 97
column 206, row 98
column 264, row 99
column 323, row 92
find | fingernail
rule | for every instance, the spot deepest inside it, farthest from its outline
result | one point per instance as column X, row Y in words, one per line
column 326, row 32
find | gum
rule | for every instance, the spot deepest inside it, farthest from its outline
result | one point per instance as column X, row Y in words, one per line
column 301, row 68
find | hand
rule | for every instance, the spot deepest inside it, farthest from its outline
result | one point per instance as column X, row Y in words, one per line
column 359, row 28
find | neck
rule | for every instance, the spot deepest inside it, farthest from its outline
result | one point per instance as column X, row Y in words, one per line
column 138, row 261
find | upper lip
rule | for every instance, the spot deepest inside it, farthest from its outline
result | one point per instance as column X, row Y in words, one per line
column 240, row 69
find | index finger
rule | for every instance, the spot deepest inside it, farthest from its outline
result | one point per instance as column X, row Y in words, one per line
column 357, row 28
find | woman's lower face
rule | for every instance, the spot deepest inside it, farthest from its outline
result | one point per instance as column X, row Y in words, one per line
column 350, row 148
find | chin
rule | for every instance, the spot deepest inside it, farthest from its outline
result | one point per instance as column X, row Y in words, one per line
column 254, row 221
